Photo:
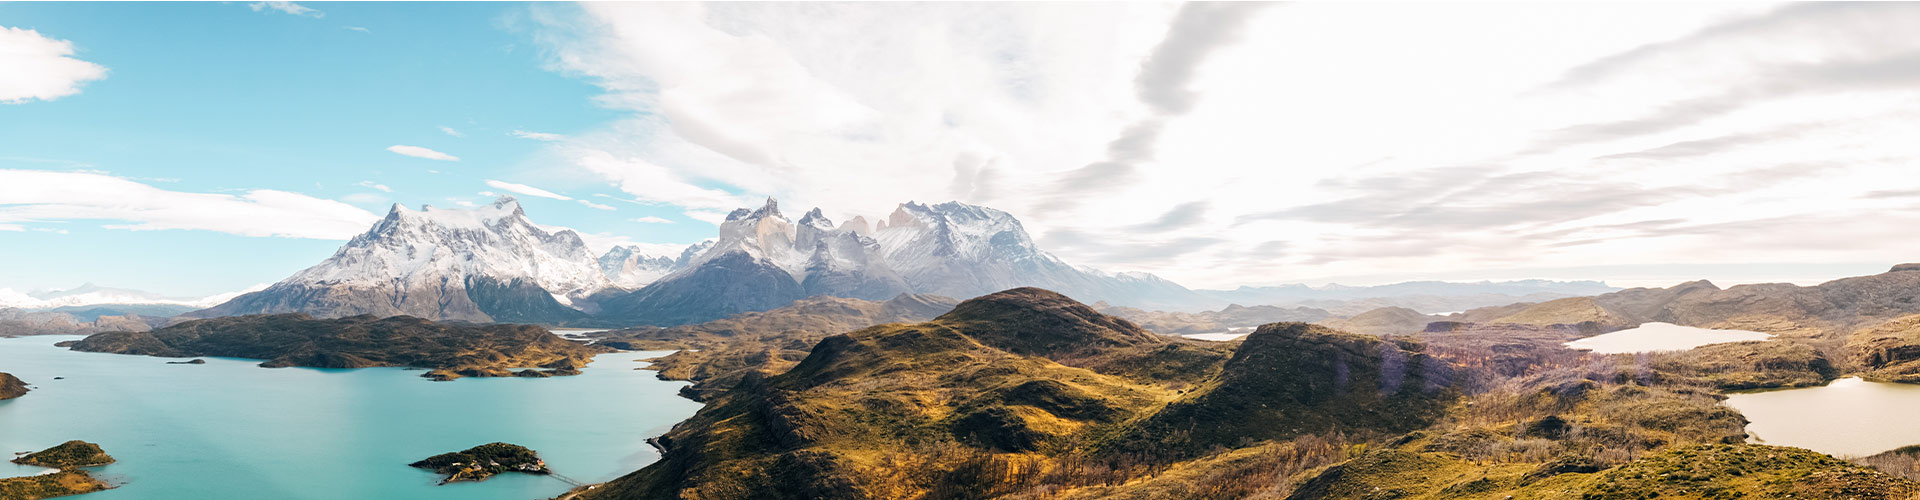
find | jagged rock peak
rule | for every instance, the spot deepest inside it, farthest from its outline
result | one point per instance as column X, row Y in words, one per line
column 771, row 208
column 858, row 225
column 817, row 219
column 505, row 201
column 903, row 217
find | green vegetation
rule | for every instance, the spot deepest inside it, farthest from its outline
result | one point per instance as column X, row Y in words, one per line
column 1026, row 394
column 58, row 484
column 68, row 455
column 1289, row 379
column 449, row 350
column 715, row 355
column 481, row 462
column 1747, row 365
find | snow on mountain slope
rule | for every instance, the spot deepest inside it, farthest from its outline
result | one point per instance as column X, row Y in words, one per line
column 433, row 244
column 952, row 249
column 630, row 267
column 483, row 264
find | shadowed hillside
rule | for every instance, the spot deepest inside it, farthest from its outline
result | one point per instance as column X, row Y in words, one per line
column 451, row 350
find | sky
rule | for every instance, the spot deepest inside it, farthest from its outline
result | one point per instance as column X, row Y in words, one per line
column 199, row 148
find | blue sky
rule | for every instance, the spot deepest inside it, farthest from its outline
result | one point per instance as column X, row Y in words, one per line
column 221, row 98
column 195, row 148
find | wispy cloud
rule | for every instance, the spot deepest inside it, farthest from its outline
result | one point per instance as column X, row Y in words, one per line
column 357, row 28
column 40, row 67
column 450, row 131
column 287, row 7
column 595, row 206
column 372, row 185
column 34, row 196
column 538, row 136
column 420, row 152
column 526, row 190
column 653, row 220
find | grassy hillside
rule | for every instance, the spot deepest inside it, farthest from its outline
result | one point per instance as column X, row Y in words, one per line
column 1028, row 395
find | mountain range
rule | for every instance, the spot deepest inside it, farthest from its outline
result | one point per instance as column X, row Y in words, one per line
column 492, row 263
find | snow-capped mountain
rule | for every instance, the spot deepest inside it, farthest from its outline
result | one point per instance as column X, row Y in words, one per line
column 631, row 267
column 488, row 263
column 763, row 260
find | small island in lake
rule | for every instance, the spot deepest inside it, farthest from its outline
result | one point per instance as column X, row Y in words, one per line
column 481, row 462
column 447, row 350
column 11, row 386
column 68, row 457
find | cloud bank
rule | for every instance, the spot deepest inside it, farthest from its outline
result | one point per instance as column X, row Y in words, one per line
column 34, row 196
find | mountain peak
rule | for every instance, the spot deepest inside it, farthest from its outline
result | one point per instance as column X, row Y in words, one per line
column 816, row 218
column 771, row 208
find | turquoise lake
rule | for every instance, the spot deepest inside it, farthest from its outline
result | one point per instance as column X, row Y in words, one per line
column 229, row 429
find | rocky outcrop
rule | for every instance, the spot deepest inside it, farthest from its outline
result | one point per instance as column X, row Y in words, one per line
column 11, row 387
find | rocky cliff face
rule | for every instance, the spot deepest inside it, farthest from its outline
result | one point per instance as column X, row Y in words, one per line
column 443, row 264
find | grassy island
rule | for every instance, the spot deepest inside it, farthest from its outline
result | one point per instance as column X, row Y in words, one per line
column 481, row 462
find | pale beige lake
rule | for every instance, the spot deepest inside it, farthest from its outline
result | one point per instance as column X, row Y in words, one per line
column 1849, row 417
column 1659, row 337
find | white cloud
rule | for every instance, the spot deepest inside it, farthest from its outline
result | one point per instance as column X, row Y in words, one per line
column 287, row 7
column 357, row 28
column 373, row 185
column 526, row 190
column 538, row 136
column 420, row 152
column 653, row 220
column 1372, row 139
column 595, row 206
column 42, row 68
column 600, row 243
column 36, row 196
column 450, row 131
